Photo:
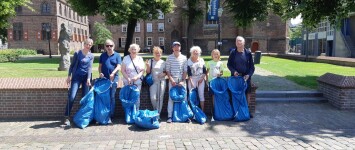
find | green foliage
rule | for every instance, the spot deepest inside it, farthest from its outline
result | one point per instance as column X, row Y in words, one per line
column 295, row 32
column 12, row 55
column 118, row 12
column 245, row 12
column 7, row 11
column 314, row 11
column 101, row 33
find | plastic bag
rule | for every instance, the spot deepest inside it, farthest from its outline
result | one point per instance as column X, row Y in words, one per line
column 85, row 114
column 199, row 115
column 102, row 106
column 147, row 119
column 129, row 95
column 237, row 86
column 222, row 109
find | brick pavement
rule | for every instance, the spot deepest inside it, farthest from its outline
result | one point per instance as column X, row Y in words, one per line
column 275, row 126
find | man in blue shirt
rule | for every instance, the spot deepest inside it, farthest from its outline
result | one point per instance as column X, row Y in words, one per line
column 109, row 66
column 240, row 63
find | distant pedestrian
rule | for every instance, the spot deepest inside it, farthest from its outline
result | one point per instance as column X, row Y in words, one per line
column 196, row 70
column 176, row 70
column 215, row 68
column 79, row 74
column 109, row 66
column 133, row 69
column 240, row 63
column 158, row 72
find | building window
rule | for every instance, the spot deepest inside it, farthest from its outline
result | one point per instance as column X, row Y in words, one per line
column 45, row 35
column 149, row 27
column 75, row 16
column 138, row 28
column 170, row 20
column 149, row 41
column 17, row 31
column 161, row 27
column 161, row 15
column 65, row 11
column 137, row 40
column 161, row 41
column 45, row 8
column 70, row 13
column 123, row 41
column 60, row 9
column 18, row 10
column 124, row 28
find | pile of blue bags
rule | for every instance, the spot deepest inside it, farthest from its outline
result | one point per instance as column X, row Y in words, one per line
column 95, row 106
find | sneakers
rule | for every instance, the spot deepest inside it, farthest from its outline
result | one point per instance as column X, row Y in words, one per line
column 110, row 122
column 169, row 120
column 66, row 121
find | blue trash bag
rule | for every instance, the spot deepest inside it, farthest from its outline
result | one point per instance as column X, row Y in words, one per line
column 129, row 95
column 102, row 107
column 199, row 115
column 147, row 119
column 181, row 112
column 85, row 114
column 237, row 86
column 177, row 93
column 222, row 109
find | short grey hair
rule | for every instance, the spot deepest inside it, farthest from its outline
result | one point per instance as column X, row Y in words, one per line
column 136, row 46
column 109, row 41
column 196, row 48
column 240, row 38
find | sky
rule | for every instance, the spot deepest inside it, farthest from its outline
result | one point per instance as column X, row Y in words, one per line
column 297, row 20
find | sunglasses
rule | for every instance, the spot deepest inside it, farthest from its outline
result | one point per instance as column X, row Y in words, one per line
column 109, row 45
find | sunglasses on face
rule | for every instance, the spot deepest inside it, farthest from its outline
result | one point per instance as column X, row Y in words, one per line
column 109, row 45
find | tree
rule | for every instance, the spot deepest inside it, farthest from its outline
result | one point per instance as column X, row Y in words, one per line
column 194, row 13
column 101, row 33
column 128, row 12
column 7, row 8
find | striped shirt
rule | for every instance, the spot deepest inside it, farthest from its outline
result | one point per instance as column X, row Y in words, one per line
column 176, row 66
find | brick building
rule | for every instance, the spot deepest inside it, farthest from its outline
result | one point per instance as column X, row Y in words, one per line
column 29, row 30
column 32, row 29
column 267, row 36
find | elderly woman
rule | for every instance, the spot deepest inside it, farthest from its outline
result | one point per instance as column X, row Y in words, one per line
column 156, row 67
column 197, row 71
column 79, row 74
column 133, row 68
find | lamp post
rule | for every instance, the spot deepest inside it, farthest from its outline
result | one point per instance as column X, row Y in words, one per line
column 48, row 30
column 219, row 43
column 267, row 37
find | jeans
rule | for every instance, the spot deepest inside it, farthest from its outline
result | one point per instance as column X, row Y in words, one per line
column 75, row 83
column 112, row 96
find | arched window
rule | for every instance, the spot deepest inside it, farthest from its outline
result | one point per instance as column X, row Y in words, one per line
column 60, row 9
column 45, row 8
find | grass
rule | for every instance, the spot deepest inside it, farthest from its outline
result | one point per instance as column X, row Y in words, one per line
column 302, row 73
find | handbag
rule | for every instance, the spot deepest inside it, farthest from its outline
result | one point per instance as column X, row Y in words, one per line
column 148, row 78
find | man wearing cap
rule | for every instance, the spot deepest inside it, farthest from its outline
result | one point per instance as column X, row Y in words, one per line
column 176, row 69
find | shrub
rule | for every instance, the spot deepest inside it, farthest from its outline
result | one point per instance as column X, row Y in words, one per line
column 12, row 55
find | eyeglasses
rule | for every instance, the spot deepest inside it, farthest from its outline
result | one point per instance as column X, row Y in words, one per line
column 109, row 45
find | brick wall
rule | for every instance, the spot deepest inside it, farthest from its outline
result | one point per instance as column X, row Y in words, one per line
column 29, row 101
column 339, row 90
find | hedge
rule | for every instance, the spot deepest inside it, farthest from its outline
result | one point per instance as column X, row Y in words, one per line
column 12, row 55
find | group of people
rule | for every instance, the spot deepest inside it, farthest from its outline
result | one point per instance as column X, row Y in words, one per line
column 176, row 69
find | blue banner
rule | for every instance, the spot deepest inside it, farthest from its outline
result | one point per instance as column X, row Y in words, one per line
column 213, row 10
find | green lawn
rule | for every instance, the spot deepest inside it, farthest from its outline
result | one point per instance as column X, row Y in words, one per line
column 302, row 73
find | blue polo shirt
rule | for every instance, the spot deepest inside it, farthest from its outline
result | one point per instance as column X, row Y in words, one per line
column 109, row 63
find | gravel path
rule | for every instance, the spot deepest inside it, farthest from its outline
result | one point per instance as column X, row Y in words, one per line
column 268, row 81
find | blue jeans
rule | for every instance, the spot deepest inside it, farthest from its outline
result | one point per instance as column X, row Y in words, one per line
column 112, row 96
column 75, row 83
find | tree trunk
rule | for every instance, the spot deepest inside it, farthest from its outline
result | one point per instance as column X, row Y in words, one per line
column 130, row 31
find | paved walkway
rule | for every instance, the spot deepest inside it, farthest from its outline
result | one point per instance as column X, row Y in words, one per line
column 275, row 126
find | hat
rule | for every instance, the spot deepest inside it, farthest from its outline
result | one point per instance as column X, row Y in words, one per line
column 176, row 43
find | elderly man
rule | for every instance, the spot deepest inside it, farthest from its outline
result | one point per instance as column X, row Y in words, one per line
column 109, row 66
column 240, row 63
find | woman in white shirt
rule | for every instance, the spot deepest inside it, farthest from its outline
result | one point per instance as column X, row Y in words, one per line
column 157, row 89
column 133, row 68
column 196, row 70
